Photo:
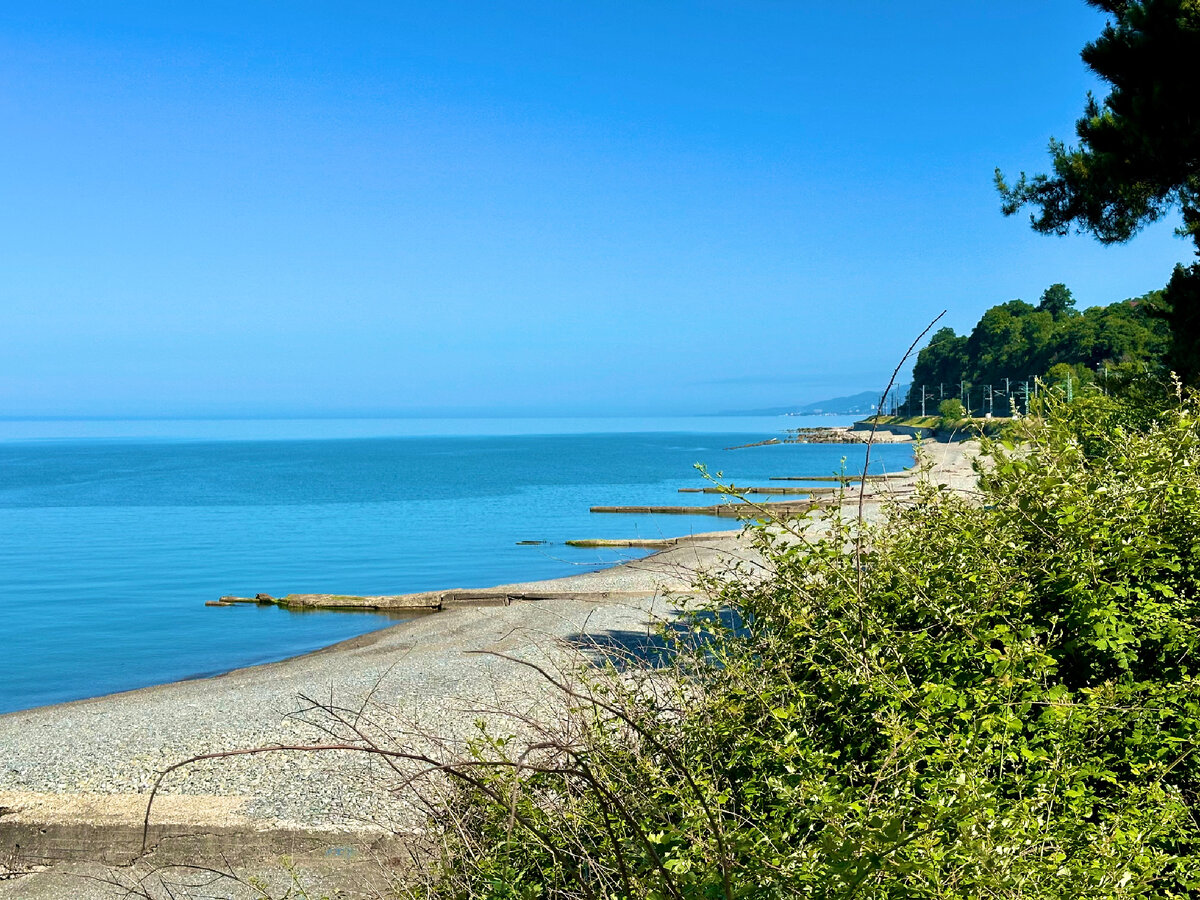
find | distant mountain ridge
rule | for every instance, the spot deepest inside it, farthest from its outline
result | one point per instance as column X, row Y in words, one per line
column 856, row 404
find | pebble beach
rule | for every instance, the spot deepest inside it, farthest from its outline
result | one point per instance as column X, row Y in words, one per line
column 92, row 762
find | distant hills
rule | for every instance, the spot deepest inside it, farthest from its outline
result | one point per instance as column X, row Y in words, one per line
column 853, row 405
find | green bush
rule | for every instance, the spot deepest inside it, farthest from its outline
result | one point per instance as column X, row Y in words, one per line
column 951, row 417
column 989, row 698
column 951, row 410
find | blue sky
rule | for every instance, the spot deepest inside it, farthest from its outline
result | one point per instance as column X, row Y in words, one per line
column 519, row 208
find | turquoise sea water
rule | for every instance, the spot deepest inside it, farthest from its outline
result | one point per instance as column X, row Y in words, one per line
column 114, row 534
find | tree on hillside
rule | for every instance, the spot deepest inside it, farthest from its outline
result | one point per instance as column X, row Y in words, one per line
column 1139, row 152
column 1011, row 340
column 1181, row 300
column 1015, row 342
column 941, row 362
column 1057, row 301
column 1119, row 333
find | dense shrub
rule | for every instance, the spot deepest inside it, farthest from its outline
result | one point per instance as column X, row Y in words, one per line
column 990, row 696
column 952, row 410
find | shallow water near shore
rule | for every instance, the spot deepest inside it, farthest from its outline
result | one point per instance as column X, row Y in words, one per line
column 113, row 535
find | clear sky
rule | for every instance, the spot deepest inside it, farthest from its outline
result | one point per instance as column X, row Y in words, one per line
column 514, row 207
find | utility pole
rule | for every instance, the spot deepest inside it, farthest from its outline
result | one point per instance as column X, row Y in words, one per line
column 925, row 395
column 989, row 399
column 1070, row 393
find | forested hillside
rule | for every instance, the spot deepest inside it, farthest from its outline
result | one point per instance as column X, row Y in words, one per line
column 1016, row 344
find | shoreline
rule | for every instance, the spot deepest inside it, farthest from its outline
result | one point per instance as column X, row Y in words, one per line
column 421, row 601
column 419, row 613
column 434, row 671
column 485, row 597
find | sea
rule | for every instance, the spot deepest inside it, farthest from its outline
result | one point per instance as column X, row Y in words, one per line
column 114, row 533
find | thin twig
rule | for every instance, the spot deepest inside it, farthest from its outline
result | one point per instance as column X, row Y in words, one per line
column 862, row 485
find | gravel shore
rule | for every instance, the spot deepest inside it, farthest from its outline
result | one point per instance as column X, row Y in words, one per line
column 93, row 761
column 422, row 671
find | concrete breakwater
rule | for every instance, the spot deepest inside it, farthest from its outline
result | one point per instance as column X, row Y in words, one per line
column 428, row 601
column 722, row 510
column 858, row 433
column 738, row 491
column 830, row 435
column 840, row 479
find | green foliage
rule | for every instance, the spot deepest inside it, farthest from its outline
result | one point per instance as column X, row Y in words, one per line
column 1137, row 156
column 1015, row 343
column 942, row 361
column 1057, row 301
column 1181, row 309
column 951, row 410
column 1067, row 379
column 1139, row 152
column 995, row 698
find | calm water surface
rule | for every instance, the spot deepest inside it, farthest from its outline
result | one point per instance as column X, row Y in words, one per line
column 113, row 534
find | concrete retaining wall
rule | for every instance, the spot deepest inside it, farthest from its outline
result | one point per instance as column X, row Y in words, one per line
column 121, row 844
